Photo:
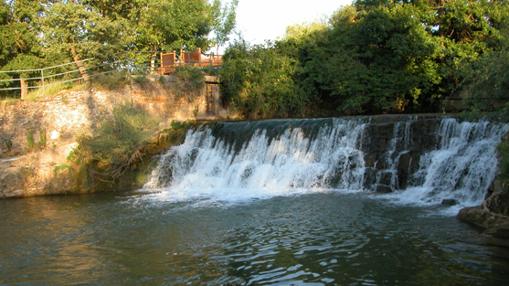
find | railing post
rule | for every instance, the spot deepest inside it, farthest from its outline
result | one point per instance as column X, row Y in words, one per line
column 42, row 78
column 23, row 84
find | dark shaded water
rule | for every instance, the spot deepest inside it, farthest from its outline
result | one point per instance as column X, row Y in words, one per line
column 327, row 238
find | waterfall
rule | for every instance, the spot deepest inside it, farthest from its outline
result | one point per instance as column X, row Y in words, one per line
column 265, row 166
column 417, row 160
column 462, row 167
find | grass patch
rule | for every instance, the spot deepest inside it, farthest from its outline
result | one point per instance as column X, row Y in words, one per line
column 110, row 80
column 8, row 101
column 51, row 89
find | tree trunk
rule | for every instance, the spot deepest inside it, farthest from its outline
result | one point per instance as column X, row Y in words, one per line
column 79, row 63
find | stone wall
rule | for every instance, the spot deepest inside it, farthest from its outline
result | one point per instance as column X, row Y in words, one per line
column 36, row 137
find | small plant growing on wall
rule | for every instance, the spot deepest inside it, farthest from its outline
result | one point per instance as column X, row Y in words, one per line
column 32, row 144
column 5, row 144
column 30, row 140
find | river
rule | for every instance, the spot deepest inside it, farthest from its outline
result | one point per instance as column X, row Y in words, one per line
column 312, row 239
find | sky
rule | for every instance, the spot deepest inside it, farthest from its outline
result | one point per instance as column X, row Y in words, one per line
column 260, row 20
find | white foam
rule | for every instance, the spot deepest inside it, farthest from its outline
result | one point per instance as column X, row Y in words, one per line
column 461, row 167
column 287, row 165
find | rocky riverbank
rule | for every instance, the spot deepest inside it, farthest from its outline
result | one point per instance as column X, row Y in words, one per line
column 492, row 216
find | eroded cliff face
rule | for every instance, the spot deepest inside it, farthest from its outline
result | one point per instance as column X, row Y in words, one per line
column 36, row 137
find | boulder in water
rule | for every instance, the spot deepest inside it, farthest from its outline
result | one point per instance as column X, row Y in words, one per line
column 449, row 202
column 476, row 216
column 498, row 201
column 495, row 226
column 380, row 188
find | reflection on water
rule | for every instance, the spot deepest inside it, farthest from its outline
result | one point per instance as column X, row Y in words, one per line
column 321, row 239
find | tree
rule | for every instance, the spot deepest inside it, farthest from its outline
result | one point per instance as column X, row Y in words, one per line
column 224, row 21
column 80, row 31
column 174, row 24
column 17, row 33
column 19, row 44
column 259, row 81
column 377, row 56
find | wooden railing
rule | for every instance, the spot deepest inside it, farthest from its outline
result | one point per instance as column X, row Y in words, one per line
column 169, row 61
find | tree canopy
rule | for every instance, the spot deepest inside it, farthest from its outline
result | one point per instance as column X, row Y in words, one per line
column 375, row 56
column 37, row 32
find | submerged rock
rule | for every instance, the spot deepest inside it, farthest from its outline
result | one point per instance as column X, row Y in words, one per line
column 492, row 216
column 449, row 202
column 498, row 201
column 477, row 216
column 380, row 188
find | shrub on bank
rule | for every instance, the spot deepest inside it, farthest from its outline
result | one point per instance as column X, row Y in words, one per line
column 117, row 156
column 260, row 82
column 188, row 80
column 112, row 80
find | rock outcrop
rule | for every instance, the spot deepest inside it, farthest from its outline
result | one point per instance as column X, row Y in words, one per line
column 492, row 217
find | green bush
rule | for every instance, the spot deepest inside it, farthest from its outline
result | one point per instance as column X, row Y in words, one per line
column 106, row 154
column 141, row 80
column 260, row 82
column 113, row 80
column 5, row 143
column 117, row 156
column 188, row 80
column 32, row 144
column 30, row 140
column 117, row 136
column 485, row 89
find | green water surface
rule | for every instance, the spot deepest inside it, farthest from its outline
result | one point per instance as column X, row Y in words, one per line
column 316, row 239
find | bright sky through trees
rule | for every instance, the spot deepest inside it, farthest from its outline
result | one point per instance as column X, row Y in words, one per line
column 258, row 20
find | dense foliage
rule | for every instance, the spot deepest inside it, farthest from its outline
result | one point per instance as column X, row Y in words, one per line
column 259, row 81
column 373, row 57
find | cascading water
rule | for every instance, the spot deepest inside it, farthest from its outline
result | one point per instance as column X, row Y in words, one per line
column 421, row 161
column 290, row 163
column 461, row 168
column 399, row 145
